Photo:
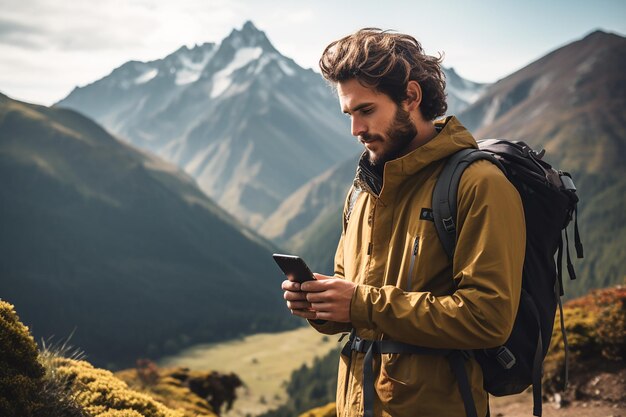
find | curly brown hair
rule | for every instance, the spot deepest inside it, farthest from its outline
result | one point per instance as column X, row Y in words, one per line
column 387, row 62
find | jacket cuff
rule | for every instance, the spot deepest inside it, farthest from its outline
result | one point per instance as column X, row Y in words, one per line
column 360, row 307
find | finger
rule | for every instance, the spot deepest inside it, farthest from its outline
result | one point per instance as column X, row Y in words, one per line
column 306, row 314
column 314, row 286
column 321, row 307
column 324, row 315
column 290, row 286
column 321, row 277
column 298, row 305
column 294, row 296
column 316, row 297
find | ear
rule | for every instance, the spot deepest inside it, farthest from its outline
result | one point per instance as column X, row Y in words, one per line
column 414, row 95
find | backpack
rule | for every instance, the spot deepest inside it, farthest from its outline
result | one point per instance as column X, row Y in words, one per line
column 550, row 203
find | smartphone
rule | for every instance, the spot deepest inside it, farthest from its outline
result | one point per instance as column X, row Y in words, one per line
column 294, row 265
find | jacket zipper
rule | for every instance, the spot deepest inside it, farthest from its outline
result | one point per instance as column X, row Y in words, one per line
column 416, row 246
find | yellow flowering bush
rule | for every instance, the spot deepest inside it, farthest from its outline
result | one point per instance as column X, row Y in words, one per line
column 100, row 393
column 20, row 372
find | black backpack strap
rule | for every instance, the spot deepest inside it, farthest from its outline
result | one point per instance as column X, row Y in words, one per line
column 537, row 370
column 457, row 363
column 558, row 291
column 445, row 194
column 445, row 214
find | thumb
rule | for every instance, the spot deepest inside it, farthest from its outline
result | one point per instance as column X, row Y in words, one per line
column 321, row 277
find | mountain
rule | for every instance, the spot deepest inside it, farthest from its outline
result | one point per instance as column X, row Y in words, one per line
column 312, row 201
column 309, row 221
column 572, row 102
column 121, row 249
column 247, row 122
column 461, row 93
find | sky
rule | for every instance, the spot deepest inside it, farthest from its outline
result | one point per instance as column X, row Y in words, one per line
column 47, row 47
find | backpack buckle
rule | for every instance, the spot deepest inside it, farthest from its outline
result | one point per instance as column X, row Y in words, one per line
column 568, row 184
column 505, row 357
column 448, row 224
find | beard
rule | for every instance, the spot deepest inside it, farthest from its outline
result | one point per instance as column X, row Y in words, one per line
column 399, row 135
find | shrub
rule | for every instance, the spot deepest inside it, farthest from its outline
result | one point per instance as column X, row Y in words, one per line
column 101, row 394
column 20, row 372
column 596, row 332
column 27, row 387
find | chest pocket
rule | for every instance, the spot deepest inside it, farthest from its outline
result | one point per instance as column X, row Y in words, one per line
column 424, row 253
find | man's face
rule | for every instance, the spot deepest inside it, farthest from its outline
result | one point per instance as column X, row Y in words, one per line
column 383, row 127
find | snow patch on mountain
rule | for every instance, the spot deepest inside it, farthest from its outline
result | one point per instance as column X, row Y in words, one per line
column 191, row 71
column 223, row 78
column 146, row 76
column 269, row 57
column 469, row 93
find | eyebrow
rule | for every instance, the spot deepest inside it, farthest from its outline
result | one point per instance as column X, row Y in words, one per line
column 357, row 108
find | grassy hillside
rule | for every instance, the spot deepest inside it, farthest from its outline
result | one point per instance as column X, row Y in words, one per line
column 119, row 247
column 264, row 362
column 310, row 386
column 603, row 229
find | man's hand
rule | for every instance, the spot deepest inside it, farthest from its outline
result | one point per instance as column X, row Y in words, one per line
column 326, row 298
column 329, row 298
column 296, row 299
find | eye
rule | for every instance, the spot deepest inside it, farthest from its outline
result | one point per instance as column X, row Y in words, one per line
column 367, row 110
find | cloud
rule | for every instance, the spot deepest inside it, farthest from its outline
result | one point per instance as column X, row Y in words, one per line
column 48, row 47
column 21, row 34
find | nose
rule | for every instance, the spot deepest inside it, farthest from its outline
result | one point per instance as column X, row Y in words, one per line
column 358, row 127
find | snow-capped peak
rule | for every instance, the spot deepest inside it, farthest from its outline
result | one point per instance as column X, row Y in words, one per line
column 248, row 36
column 223, row 79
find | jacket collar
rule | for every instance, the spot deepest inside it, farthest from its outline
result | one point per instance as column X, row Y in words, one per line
column 451, row 138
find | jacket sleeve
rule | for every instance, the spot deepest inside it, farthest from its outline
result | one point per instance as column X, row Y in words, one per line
column 487, row 269
column 332, row 327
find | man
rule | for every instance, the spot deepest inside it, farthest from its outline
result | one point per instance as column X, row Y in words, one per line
column 393, row 280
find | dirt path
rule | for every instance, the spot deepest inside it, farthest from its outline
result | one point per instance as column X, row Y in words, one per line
column 522, row 405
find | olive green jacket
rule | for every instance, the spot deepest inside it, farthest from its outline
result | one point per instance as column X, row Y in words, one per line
column 408, row 290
